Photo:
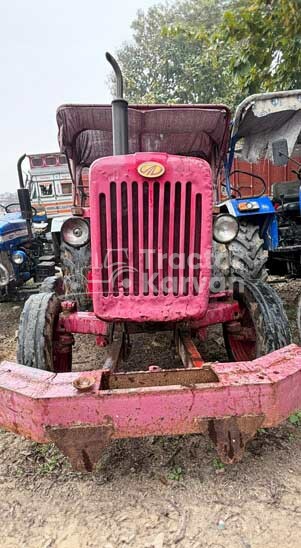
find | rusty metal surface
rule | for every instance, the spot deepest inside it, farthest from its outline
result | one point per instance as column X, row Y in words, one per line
column 34, row 403
column 159, row 377
column 82, row 445
column 187, row 350
column 117, row 351
column 231, row 434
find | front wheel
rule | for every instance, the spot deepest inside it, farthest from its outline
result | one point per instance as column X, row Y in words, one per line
column 40, row 338
column 263, row 325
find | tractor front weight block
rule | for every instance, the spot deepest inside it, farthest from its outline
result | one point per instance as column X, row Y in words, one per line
column 82, row 412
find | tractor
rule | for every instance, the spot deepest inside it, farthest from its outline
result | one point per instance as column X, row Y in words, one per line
column 22, row 245
column 265, row 127
column 143, row 252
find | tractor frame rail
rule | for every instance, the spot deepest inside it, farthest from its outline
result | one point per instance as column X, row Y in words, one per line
column 82, row 412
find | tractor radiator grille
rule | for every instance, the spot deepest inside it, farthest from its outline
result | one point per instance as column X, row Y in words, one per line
column 150, row 238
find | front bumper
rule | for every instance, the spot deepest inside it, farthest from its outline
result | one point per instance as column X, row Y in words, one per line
column 229, row 401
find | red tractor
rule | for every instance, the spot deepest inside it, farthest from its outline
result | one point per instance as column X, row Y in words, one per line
column 143, row 253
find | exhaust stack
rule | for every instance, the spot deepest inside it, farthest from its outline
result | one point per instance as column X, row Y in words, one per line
column 24, row 198
column 119, row 113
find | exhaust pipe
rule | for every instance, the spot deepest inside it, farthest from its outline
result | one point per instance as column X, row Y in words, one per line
column 119, row 113
column 24, row 198
column 19, row 168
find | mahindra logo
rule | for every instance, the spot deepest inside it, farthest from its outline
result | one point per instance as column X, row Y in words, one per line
column 151, row 170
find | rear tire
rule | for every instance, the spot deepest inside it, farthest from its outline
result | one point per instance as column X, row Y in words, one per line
column 264, row 326
column 247, row 256
column 37, row 331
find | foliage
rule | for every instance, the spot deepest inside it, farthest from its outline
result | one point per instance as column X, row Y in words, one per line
column 198, row 51
column 295, row 418
column 266, row 33
column 171, row 58
column 176, row 474
column 217, row 464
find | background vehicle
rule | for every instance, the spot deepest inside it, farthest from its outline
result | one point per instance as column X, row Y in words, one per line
column 22, row 243
column 270, row 228
column 50, row 183
column 50, row 187
column 146, row 219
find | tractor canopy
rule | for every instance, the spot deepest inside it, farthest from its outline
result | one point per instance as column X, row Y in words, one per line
column 265, row 118
column 85, row 131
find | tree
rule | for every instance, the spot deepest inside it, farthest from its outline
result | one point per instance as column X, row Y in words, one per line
column 171, row 59
column 267, row 35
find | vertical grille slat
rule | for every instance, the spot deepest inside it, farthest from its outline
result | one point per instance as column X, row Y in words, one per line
column 146, row 211
column 171, row 236
column 166, row 237
column 163, row 218
column 176, row 239
column 119, row 227
column 103, row 244
column 141, row 219
column 182, row 257
column 197, row 241
column 150, row 231
column 192, row 262
column 114, row 240
column 155, row 283
column 160, row 237
column 125, row 239
column 186, row 279
column 135, row 229
column 109, row 256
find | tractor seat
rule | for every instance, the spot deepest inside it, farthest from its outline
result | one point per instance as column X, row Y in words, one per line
column 291, row 207
column 286, row 192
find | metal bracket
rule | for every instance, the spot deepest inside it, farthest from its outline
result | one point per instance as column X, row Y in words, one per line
column 83, row 444
column 231, row 434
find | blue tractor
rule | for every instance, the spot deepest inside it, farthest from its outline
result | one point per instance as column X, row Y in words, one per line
column 265, row 126
column 22, row 244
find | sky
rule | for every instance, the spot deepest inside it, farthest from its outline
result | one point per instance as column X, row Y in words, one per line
column 53, row 52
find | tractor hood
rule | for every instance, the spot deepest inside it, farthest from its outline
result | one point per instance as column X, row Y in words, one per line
column 12, row 226
column 263, row 118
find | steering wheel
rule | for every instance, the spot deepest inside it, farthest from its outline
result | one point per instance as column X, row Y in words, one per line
column 249, row 186
column 233, row 190
column 297, row 172
column 33, row 209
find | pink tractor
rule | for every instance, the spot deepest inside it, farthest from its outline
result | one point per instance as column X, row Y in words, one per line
column 143, row 252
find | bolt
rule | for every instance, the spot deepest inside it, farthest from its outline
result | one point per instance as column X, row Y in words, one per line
column 84, row 384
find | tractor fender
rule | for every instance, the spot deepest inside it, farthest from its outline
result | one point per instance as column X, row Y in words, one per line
column 258, row 211
column 57, row 223
column 249, row 207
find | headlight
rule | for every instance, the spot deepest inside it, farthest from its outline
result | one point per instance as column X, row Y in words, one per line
column 18, row 257
column 225, row 228
column 4, row 276
column 75, row 232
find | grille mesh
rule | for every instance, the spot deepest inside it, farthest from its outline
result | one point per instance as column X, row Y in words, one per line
column 150, row 239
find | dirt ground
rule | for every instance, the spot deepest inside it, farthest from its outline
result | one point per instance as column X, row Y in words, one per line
column 159, row 492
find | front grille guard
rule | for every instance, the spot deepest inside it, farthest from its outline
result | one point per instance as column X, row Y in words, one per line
column 82, row 412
